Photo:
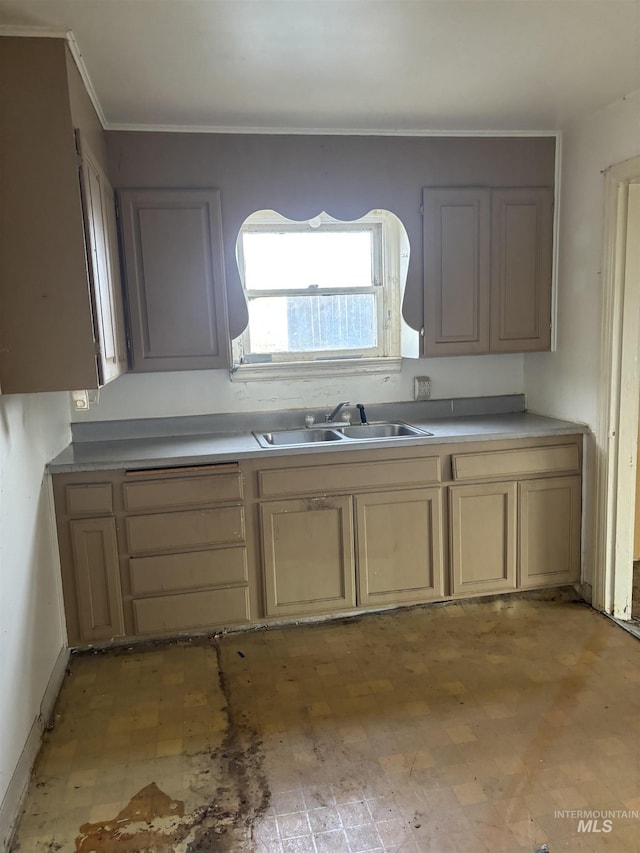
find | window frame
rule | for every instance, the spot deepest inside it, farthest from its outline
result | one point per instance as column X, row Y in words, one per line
column 385, row 262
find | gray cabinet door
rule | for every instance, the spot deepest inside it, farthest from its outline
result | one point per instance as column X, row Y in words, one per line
column 97, row 574
column 521, row 262
column 456, row 271
column 549, row 526
column 175, row 283
column 399, row 537
column 482, row 526
column 308, row 555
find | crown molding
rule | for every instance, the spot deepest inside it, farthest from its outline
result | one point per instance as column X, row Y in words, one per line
column 32, row 32
column 320, row 131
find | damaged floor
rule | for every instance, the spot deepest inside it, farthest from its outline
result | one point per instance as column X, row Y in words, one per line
column 474, row 727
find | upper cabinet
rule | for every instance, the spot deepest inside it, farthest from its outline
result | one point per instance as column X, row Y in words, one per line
column 60, row 312
column 175, row 284
column 487, row 270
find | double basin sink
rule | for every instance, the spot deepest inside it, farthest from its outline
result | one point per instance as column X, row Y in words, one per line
column 322, row 434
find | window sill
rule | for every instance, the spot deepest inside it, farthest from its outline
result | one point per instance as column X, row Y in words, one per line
column 307, row 369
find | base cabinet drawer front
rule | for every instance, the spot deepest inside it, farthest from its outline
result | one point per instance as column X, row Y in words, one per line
column 483, row 533
column 308, row 555
column 97, row 575
column 89, row 499
column 511, row 464
column 400, row 548
column 172, row 531
column 191, row 610
column 549, row 520
column 281, row 482
column 183, row 491
column 193, row 570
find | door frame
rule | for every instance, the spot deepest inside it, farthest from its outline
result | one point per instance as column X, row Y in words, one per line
column 618, row 393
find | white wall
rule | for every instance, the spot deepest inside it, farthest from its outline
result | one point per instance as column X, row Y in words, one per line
column 211, row 391
column 564, row 383
column 33, row 429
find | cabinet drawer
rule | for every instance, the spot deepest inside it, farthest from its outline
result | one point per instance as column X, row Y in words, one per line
column 189, row 610
column 282, row 482
column 183, row 491
column 173, row 531
column 174, row 572
column 554, row 459
column 89, row 499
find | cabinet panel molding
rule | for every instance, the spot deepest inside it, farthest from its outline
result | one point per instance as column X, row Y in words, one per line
column 279, row 482
column 482, row 526
column 308, row 555
column 191, row 610
column 183, row 491
column 187, row 529
column 89, row 499
column 549, row 513
column 97, row 573
column 456, row 270
column 553, row 459
column 175, row 282
column 399, row 546
column 192, row 570
column 521, row 268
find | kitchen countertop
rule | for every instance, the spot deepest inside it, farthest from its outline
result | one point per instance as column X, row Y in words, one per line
column 226, row 446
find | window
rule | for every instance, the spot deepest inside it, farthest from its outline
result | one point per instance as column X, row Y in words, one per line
column 322, row 289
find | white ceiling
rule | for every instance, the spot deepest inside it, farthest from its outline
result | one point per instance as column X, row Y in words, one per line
column 349, row 64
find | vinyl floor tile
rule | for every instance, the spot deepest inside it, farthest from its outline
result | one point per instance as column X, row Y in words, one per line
column 484, row 727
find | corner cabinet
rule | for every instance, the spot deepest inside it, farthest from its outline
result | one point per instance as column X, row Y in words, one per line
column 487, row 270
column 175, row 282
column 61, row 321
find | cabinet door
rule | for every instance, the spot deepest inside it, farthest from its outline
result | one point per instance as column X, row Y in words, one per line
column 483, row 537
column 102, row 249
column 456, row 271
column 549, row 513
column 399, row 548
column 95, row 560
column 308, row 555
column 175, row 282
column 521, row 261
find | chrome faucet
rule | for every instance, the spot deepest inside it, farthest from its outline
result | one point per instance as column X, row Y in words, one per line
column 333, row 415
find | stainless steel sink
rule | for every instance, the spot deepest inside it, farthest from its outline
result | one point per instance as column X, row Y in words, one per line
column 321, row 435
column 381, row 430
column 294, row 437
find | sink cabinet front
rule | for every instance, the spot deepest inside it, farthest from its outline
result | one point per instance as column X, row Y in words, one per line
column 399, row 546
column 308, row 555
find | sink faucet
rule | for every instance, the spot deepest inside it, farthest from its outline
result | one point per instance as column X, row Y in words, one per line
column 334, row 414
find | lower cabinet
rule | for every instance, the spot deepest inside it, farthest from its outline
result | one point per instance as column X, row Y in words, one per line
column 152, row 553
column 399, row 546
column 549, row 513
column 308, row 555
column 159, row 552
column 97, row 575
column 483, row 537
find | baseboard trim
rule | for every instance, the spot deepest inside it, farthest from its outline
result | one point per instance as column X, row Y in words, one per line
column 11, row 805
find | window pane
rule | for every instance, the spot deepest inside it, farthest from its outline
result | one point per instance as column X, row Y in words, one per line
column 299, row 260
column 313, row 323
